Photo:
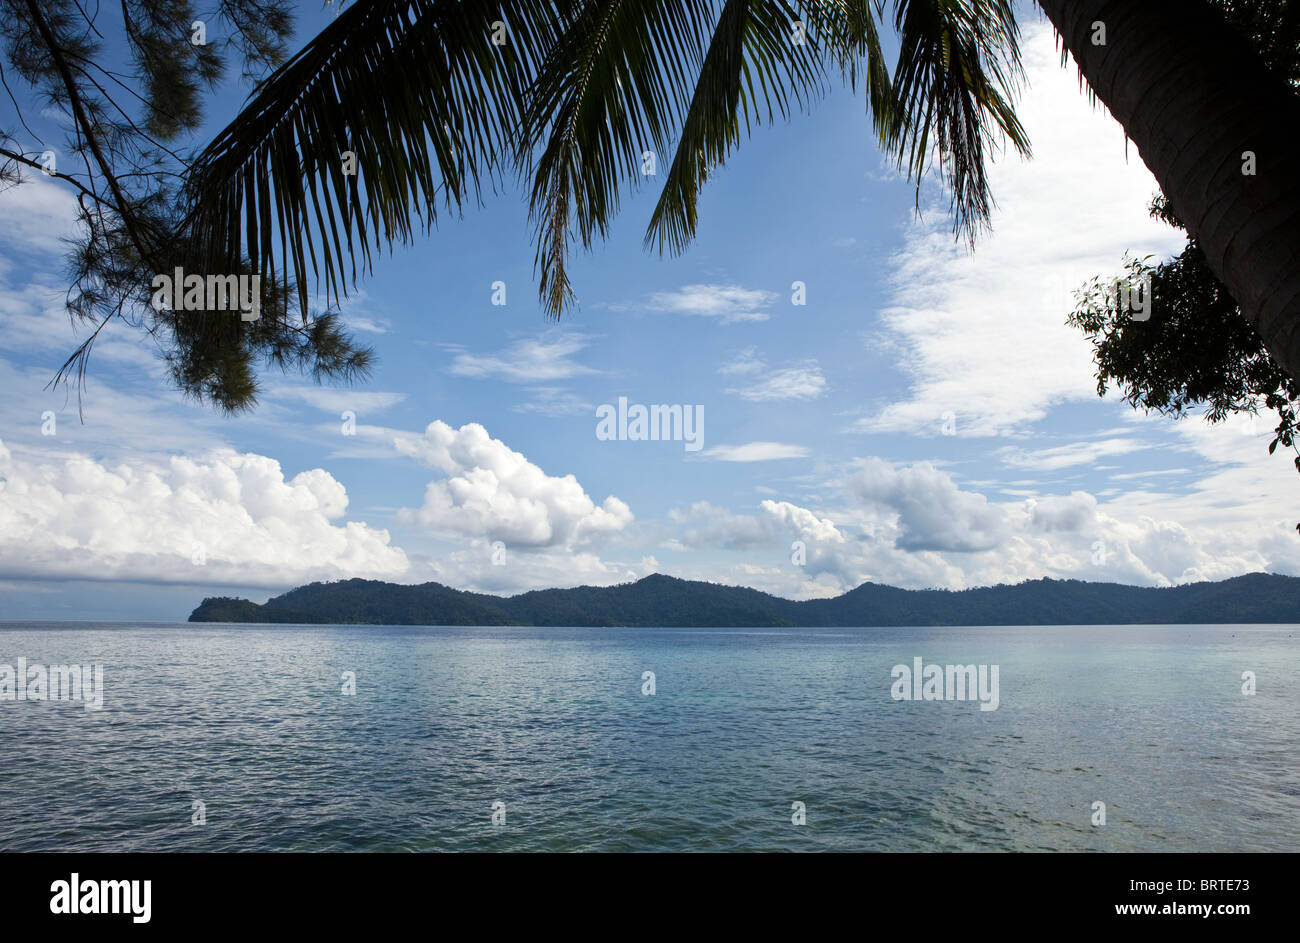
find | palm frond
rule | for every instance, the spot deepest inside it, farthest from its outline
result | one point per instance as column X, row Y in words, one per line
column 754, row 40
column 421, row 95
column 615, row 85
column 849, row 34
column 432, row 109
column 956, row 79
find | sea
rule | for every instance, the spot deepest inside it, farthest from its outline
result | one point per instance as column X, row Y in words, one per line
column 218, row 738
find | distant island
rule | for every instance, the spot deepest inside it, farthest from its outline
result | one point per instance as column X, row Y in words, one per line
column 664, row 601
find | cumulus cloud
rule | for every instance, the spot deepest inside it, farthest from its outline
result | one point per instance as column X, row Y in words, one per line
column 707, row 525
column 1075, row 513
column 799, row 553
column 471, row 568
column 914, row 526
column 777, row 523
column 495, row 493
column 933, row 513
column 227, row 518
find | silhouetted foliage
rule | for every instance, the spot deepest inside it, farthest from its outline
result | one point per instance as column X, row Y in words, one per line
column 1197, row 349
column 124, row 158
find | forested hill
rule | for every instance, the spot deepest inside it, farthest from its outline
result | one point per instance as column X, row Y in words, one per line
column 670, row 602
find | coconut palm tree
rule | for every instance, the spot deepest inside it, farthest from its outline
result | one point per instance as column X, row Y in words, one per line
column 400, row 109
column 1219, row 133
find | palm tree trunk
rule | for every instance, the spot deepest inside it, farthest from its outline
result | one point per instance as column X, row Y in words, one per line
column 1194, row 98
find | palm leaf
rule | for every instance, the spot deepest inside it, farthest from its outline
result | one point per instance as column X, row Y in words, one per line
column 415, row 89
column 432, row 109
column 753, row 39
column 850, row 35
column 614, row 85
column 956, row 78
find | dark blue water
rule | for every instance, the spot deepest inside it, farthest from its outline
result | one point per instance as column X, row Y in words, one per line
column 252, row 722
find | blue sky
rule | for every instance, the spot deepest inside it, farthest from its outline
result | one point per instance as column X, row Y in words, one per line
column 925, row 419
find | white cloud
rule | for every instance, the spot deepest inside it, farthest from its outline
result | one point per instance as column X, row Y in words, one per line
column 471, row 569
column 338, row 400
column 115, row 421
column 357, row 316
column 34, row 319
column 984, row 334
column 494, row 493
column 535, row 360
column 801, row 381
column 1151, row 473
column 834, row 559
column 730, row 304
column 933, row 513
column 743, row 362
column 707, row 525
column 76, row 518
column 555, row 401
column 755, row 452
column 1075, row 513
column 1065, row 456
column 359, row 322
column 39, row 214
column 915, row 527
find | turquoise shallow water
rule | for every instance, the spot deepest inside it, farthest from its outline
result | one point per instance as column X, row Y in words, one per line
column 553, row 723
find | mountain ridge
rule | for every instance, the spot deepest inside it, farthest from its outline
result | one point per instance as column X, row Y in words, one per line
column 666, row 601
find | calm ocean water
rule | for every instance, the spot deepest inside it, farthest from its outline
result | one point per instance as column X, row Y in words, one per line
column 553, row 723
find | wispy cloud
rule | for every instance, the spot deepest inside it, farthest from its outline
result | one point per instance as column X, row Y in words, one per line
column 554, row 401
column 730, row 304
column 534, row 360
column 743, row 362
column 1064, row 456
column 982, row 334
column 755, row 452
column 39, row 215
column 1151, row 473
column 356, row 313
column 360, row 322
column 803, row 380
column 338, row 400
